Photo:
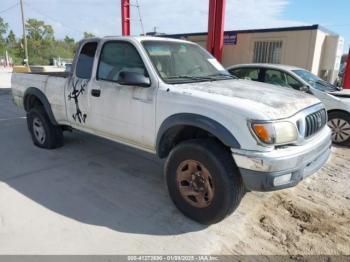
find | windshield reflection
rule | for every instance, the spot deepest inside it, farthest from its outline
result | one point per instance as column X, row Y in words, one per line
column 181, row 62
column 315, row 81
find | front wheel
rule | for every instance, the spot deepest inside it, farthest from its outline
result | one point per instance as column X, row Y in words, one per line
column 203, row 181
column 339, row 122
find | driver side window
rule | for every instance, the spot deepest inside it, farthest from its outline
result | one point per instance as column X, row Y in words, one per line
column 117, row 57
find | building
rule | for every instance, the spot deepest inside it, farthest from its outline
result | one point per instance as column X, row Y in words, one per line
column 311, row 47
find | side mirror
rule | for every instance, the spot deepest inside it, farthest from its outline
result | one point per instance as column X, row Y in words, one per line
column 133, row 79
column 305, row 89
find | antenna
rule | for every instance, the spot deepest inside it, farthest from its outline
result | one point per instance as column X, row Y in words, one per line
column 138, row 10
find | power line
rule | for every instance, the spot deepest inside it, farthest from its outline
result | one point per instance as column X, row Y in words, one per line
column 9, row 8
column 53, row 19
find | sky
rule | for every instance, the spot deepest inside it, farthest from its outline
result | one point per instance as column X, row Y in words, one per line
column 102, row 17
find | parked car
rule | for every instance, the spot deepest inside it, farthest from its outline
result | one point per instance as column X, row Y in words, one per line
column 221, row 136
column 337, row 103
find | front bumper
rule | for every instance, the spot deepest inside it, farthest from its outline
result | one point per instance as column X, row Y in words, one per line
column 284, row 167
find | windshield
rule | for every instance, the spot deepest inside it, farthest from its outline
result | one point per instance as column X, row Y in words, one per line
column 178, row 62
column 315, row 81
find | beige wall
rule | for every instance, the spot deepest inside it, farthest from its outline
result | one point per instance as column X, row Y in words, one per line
column 296, row 47
column 330, row 57
column 304, row 48
column 319, row 47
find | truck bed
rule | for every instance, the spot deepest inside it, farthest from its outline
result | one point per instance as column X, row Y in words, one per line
column 51, row 84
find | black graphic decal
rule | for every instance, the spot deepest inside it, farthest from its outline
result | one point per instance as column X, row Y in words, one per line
column 78, row 116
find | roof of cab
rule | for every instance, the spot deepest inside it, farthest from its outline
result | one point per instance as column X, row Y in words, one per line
column 138, row 38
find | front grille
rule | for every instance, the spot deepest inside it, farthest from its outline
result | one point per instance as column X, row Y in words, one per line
column 315, row 122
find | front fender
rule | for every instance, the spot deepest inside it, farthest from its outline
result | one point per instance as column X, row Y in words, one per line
column 194, row 120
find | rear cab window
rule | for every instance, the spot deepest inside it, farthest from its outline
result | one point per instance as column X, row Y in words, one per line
column 86, row 60
column 246, row 73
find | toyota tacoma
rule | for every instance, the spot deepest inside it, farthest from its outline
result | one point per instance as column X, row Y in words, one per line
column 220, row 136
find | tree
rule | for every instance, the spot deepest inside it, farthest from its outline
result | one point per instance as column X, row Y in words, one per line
column 13, row 47
column 42, row 45
column 40, row 41
column 69, row 41
column 344, row 58
column 37, row 30
column 3, row 30
column 11, row 41
column 88, row 35
column 64, row 48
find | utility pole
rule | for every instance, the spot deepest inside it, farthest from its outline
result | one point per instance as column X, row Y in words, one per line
column 125, row 17
column 24, row 37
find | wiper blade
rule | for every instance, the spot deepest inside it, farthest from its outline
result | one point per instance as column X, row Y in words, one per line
column 223, row 75
column 213, row 77
column 189, row 77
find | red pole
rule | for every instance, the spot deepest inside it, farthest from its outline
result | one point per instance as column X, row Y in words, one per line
column 211, row 26
column 346, row 82
column 219, row 29
column 125, row 8
column 216, row 19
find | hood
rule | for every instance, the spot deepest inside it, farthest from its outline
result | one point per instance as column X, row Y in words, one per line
column 272, row 101
column 345, row 93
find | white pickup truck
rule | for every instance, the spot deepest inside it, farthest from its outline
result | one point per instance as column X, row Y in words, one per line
column 221, row 136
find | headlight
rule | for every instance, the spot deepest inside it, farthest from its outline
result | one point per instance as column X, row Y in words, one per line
column 275, row 133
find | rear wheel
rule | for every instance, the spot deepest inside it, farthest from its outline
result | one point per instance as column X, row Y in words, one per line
column 339, row 122
column 44, row 133
column 203, row 181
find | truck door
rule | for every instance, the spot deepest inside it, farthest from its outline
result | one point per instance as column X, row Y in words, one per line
column 125, row 113
column 77, row 87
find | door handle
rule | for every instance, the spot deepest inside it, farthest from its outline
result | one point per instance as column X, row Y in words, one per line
column 96, row 92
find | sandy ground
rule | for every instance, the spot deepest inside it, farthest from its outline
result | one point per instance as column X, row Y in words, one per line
column 312, row 218
column 97, row 197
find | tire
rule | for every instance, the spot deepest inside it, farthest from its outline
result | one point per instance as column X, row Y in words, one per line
column 44, row 133
column 339, row 122
column 211, row 166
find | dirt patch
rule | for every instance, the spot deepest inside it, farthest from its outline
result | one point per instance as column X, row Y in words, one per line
column 310, row 219
column 295, row 211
